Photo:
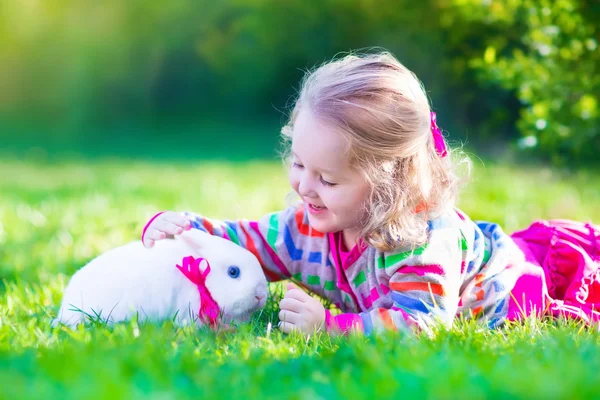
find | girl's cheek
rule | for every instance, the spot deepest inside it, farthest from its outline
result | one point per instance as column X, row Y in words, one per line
column 294, row 181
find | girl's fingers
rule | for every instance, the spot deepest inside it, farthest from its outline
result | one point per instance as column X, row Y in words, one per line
column 296, row 294
column 148, row 243
column 291, row 304
column 286, row 327
column 153, row 234
column 167, row 227
column 176, row 219
column 288, row 316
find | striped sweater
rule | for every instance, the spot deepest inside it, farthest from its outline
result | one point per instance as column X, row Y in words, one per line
column 464, row 268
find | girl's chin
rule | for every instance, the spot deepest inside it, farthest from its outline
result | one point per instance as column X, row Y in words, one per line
column 320, row 225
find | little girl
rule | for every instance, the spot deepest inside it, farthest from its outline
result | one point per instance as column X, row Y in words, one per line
column 376, row 231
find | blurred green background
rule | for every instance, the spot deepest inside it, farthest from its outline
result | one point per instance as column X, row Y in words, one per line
column 213, row 79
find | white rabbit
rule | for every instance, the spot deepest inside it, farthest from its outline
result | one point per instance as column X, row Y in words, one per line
column 132, row 280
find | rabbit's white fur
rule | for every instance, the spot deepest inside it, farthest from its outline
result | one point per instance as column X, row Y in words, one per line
column 132, row 280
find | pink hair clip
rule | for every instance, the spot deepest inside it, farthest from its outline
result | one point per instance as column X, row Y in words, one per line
column 438, row 138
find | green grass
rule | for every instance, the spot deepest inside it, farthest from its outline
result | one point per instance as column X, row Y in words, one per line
column 56, row 217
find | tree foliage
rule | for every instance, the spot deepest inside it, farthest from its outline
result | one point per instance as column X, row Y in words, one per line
column 493, row 69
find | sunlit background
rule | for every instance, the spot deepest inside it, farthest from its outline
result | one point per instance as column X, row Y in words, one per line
column 213, row 79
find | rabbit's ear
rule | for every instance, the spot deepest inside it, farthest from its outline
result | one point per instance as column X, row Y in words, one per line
column 196, row 239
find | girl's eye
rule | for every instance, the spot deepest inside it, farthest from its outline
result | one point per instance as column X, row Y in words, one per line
column 325, row 183
column 296, row 165
column 233, row 272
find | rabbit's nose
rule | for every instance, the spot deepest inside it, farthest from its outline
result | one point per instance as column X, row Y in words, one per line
column 259, row 297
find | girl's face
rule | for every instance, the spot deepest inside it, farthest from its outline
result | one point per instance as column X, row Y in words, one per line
column 333, row 193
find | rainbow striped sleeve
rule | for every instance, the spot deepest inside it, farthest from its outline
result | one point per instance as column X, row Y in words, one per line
column 375, row 320
column 417, row 304
column 259, row 237
column 424, row 285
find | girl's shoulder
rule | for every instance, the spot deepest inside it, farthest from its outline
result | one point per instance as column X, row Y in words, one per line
column 451, row 219
column 451, row 229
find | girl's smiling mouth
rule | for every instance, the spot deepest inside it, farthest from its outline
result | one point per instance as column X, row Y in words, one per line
column 314, row 209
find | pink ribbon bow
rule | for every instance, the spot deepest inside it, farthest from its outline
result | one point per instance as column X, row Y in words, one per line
column 438, row 138
column 209, row 310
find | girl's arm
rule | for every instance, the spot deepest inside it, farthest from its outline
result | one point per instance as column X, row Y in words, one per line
column 418, row 301
column 262, row 238
column 424, row 286
column 259, row 237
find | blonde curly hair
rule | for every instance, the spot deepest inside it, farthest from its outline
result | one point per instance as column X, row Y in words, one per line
column 381, row 108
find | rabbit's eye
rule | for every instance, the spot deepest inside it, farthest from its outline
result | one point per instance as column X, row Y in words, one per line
column 233, row 272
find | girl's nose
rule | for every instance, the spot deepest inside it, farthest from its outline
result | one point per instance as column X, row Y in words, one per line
column 305, row 189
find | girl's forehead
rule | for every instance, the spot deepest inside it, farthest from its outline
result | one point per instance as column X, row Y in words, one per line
column 318, row 152
column 318, row 141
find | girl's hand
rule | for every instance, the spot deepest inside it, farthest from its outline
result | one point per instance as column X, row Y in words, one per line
column 301, row 312
column 163, row 224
